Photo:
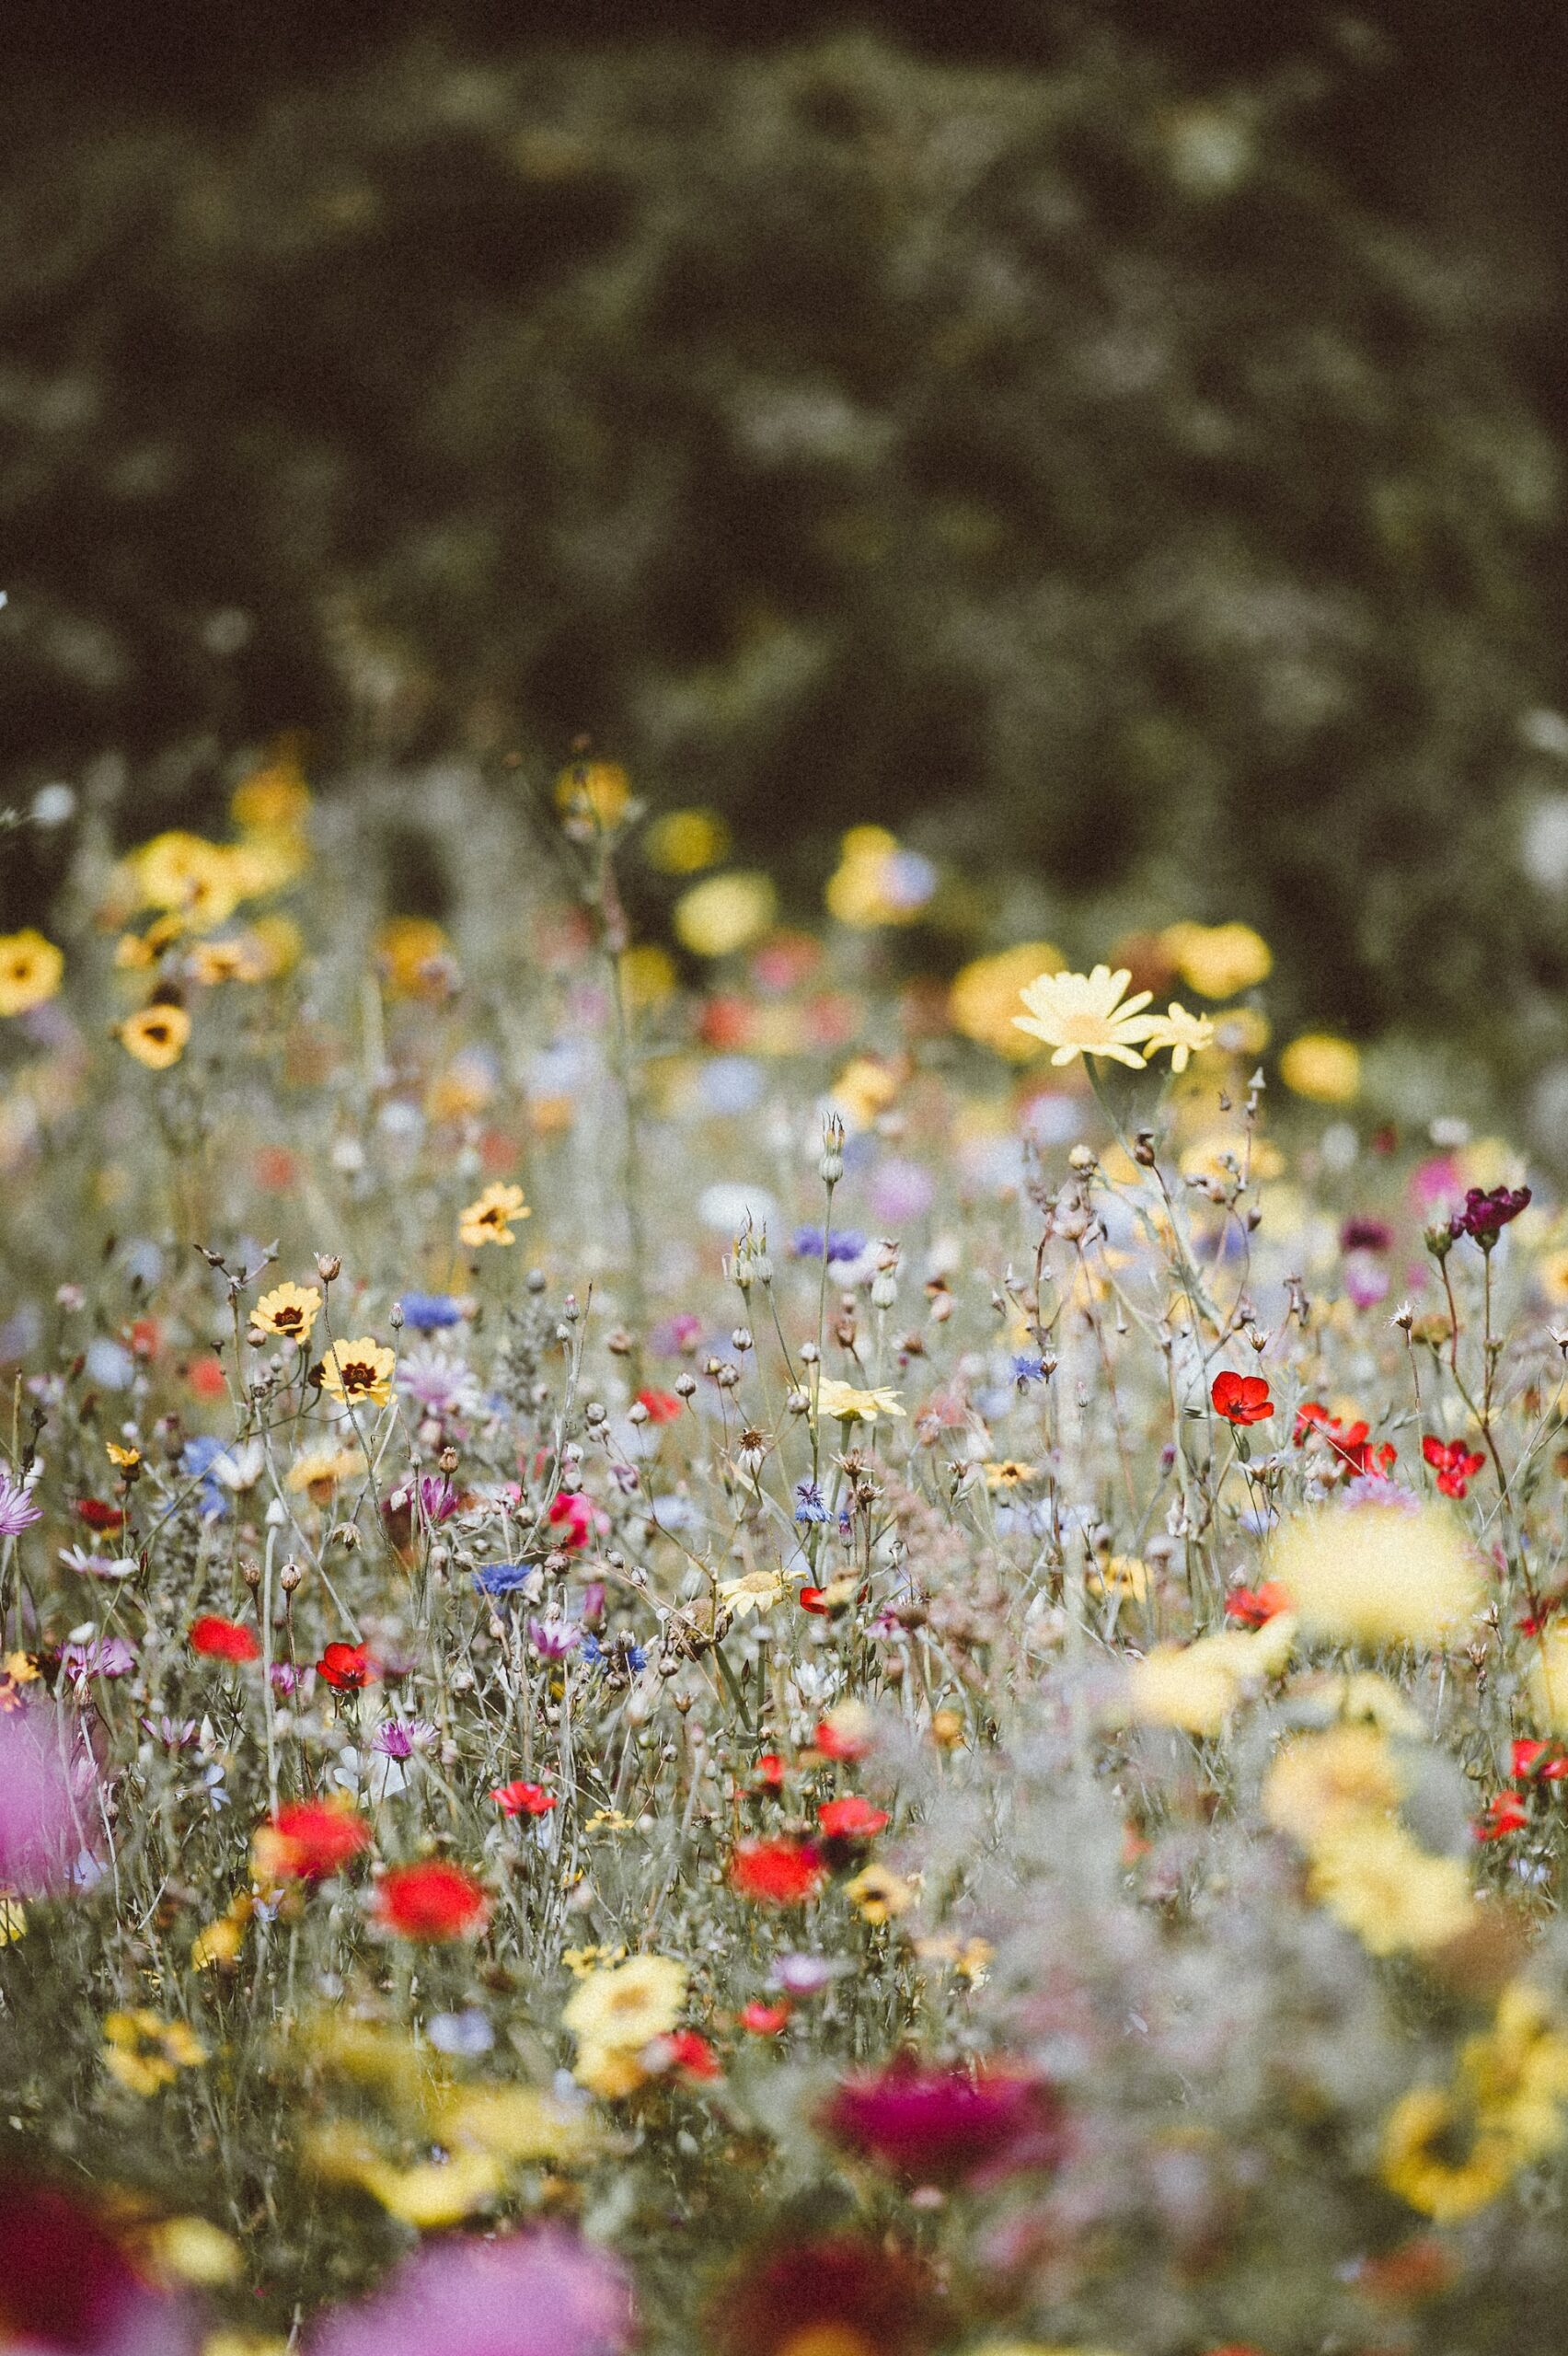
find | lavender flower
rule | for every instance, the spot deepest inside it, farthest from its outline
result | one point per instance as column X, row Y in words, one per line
column 17, row 1511
column 99, row 1657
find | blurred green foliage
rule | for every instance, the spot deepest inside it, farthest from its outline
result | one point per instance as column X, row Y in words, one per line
column 1059, row 467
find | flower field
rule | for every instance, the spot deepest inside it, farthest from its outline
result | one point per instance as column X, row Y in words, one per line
column 709, row 1646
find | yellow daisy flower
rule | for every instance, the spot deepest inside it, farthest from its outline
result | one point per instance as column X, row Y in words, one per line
column 156, row 1037
column 354, row 1370
column 30, row 971
column 1376, row 1878
column 1422, row 2163
column 489, row 1220
column 289, row 1311
column 1086, row 1014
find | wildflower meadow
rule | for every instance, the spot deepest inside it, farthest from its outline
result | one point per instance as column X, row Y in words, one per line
column 713, row 1648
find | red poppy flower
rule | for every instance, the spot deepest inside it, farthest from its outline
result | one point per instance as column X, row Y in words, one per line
column 145, row 1337
column 218, row 1639
column 1455, row 1464
column 770, row 1771
column 1349, row 1444
column 841, row 2292
column 779, row 1873
column 574, row 1517
column 663, row 1406
column 838, row 1742
column 1241, row 1398
column 943, row 2126
column 689, row 2052
column 1504, row 1814
column 433, row 1901
column 205, row 1376
column 1255, row 1606
column 810, row 1598
column 523, row 1799
column 97, row 1515
column 1539, row 1760
column 347, row 1668
column 764, row 2020
column 851, row 1819
column 309, row 1840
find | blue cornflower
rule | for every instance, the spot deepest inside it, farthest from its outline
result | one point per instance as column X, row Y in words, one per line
column 634, row 1657
column 503, row 1579
column 1027, row 1366
column 809, row 1506
column 428, row 1312
column 200, row 1454
column 843, row 1243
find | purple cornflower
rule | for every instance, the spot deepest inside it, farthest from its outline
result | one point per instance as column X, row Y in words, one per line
column 504, row 1578
column 553, row 1639
column 843, row 1243
column 17, row 1511
column 808, row 1504
column 1027, row 1366
column 400, row 1738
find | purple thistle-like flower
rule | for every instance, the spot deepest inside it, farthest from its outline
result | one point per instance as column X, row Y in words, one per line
column 175, row 1734
column 17, row 1511
column 538, row 2293
column 553, row 1639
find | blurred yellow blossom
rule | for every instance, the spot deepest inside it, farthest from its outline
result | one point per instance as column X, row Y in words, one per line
column 1380, row 1574
column 683, row 842
column 1218, row 960
column 876, row 882
column 145, row 2052
column 1321, row 1067
column 1319, row 1783
column 1185, row 1034
column 983, row 1000
column 1373, row 1877
column 725, row 912
column 1428, row 2160
column 878, row 1894
column 414, row 957
column 597, row 791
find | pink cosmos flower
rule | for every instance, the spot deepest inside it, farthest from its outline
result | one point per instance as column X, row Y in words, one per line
column 538, row 2293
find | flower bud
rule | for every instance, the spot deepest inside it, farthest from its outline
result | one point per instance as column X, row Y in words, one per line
column 329, row 1267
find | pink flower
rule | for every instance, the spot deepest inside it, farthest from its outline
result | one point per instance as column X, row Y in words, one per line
column 538, row 2293
column 39, row 1830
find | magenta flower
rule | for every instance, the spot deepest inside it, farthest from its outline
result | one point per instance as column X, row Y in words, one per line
column 101, row 1657
column 17, row 1511
column 942, row 2125
column 538, row 2294
column 1485, row 1216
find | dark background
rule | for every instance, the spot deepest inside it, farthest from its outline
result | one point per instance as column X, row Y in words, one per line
column 1118, row 445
